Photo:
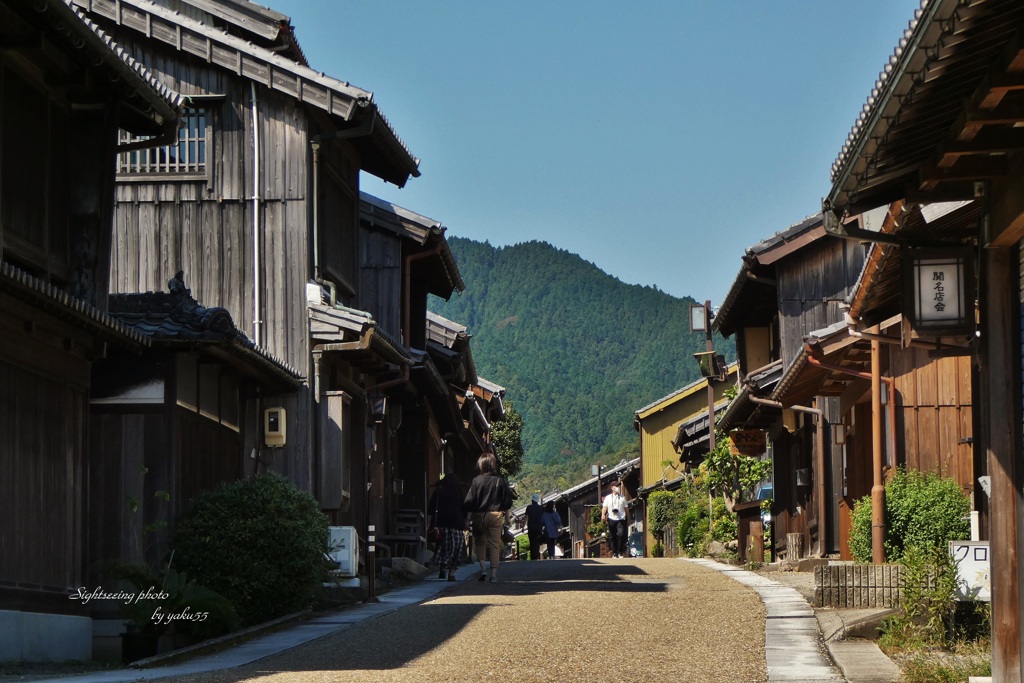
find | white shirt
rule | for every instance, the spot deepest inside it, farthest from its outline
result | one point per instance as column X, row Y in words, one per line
column 613, row 502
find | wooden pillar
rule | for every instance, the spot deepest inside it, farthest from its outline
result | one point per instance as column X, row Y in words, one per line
column 999, row 399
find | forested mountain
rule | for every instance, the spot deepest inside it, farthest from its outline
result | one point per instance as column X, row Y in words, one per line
column 578, row 350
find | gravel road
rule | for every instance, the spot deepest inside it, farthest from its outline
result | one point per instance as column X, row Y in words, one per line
column 566, row 620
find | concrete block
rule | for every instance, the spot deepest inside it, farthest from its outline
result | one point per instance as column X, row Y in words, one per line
column 10, row 640
column 38, row 637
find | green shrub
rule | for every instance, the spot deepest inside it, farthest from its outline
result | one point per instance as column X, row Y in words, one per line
column 523, row 545
column 692, row 527
column 597, row 526
column 860, row 531
column 201, row 612
column 259, row 542
column 924, row 511
column 663, row 508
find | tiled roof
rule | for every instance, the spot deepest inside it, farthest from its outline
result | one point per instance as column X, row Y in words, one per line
column 174, row 316
column 58, row 302
column 880, row 91
column 946, row 77
column 64, row 17
column 264, row 66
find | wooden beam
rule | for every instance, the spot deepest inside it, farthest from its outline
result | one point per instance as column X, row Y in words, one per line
column 999, row 85
column 992, row 141
column 967, row 169
column 1000, row 419
column 1006, row 216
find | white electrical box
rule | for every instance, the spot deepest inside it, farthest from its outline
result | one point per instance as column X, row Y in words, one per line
column 274, row 427
column 344, row 549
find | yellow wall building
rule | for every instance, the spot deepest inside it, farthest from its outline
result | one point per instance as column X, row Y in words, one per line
column 673, row 429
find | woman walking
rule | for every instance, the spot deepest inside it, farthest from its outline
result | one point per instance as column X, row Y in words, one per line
column 488, row 500
column 552, row 526
column 447, row 515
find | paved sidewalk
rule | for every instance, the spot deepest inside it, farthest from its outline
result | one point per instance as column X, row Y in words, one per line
column 792, row 645
column 793, row 629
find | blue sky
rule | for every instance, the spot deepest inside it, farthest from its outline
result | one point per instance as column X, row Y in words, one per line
column 655, row 139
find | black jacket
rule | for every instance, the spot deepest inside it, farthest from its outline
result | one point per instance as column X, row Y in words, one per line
column 488, row 493
column 445, row 506
column 534, row 512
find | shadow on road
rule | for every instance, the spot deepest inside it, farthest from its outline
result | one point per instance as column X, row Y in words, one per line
column 394, row 640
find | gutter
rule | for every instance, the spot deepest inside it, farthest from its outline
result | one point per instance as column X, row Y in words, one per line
column 256, row 321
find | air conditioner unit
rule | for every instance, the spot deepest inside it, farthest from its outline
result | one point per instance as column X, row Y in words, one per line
column 344, row 549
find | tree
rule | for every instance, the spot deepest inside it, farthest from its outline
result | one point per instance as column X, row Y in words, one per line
column 507, row 436
column 728, row 475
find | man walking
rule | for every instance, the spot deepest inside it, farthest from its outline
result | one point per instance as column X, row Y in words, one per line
column 613, row 511
column 534, row 525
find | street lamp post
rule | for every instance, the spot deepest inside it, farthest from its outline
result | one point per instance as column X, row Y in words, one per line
column 595, row 470
column 700, row 321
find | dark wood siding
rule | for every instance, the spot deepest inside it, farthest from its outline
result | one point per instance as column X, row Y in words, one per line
column 42, row 420
column 118, row 507
column 380, row 279
column 204, row 226
column 209, row 454
column 812, row 286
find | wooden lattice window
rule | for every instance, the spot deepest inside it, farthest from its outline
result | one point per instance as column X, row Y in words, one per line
column 188, row 156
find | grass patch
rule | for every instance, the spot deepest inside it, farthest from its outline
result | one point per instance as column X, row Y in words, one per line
column 944, row 666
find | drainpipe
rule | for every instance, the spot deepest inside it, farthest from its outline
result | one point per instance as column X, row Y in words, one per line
column 878, row 485
column 819, row 460
column 407, row 312
column 316, row 223
column 256, row 322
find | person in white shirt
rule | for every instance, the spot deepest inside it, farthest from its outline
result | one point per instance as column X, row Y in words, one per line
column 613, row 511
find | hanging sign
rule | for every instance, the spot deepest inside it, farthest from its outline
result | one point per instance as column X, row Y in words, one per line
column 939, row 291
column 749, row 442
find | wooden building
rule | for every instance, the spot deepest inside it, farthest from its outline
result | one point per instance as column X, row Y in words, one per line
column 258, row 194
column 674, row 439
column 816, row 402
column 941, row 125
column 65, row 90
column 170, row 423
column 258, row 200
column 790, row 284
column 382, row 362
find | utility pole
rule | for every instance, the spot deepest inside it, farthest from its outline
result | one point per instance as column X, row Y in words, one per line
column 711, row 388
